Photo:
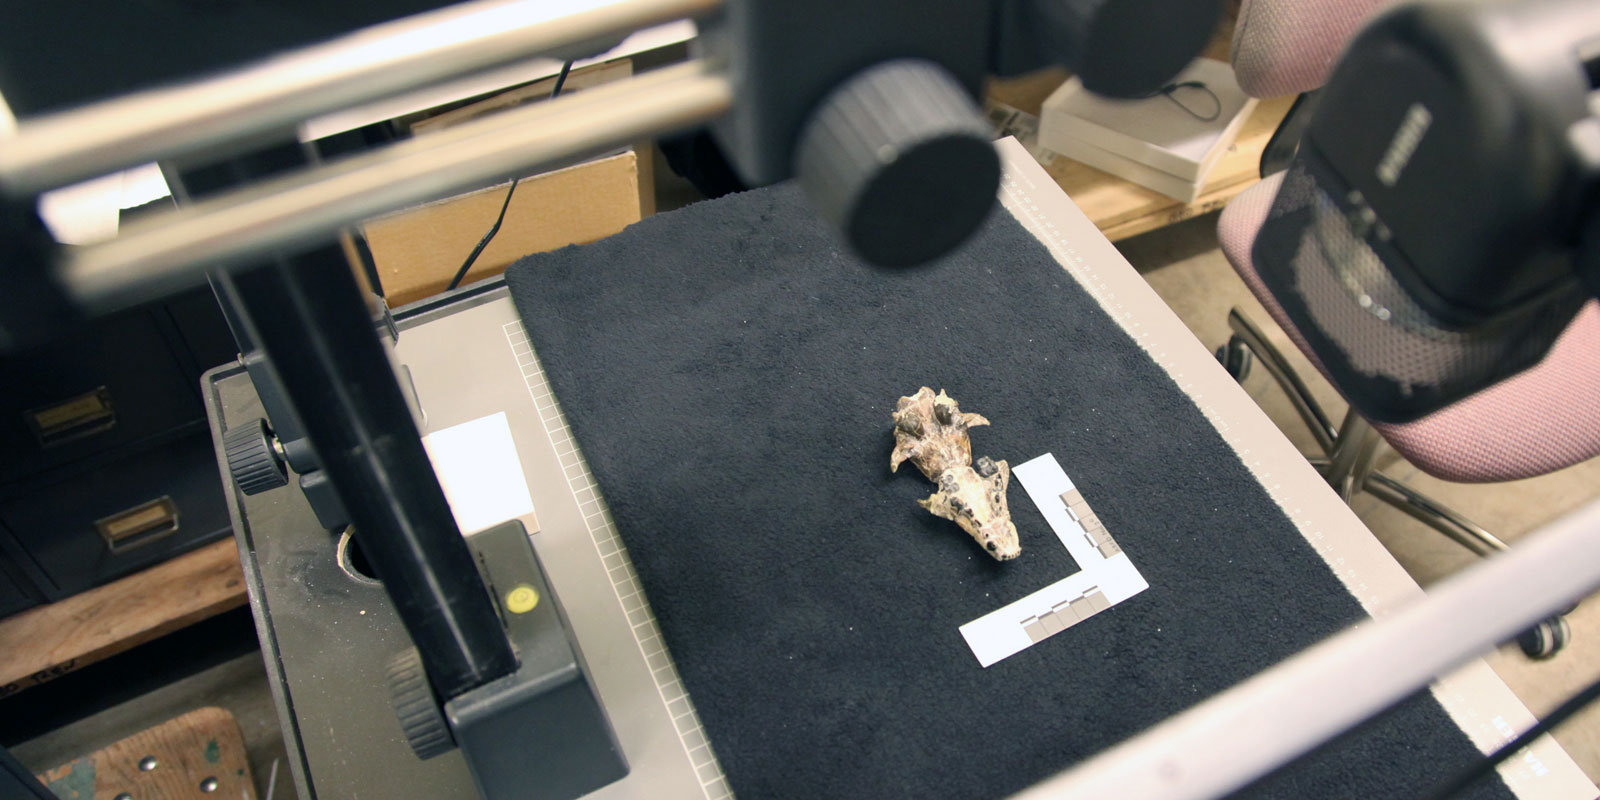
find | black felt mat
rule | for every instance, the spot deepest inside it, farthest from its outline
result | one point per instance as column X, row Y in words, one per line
column 729, row 373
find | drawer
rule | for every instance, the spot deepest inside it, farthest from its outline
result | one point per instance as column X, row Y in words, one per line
column 114, row 383
column 15, row 595
column 121, row 517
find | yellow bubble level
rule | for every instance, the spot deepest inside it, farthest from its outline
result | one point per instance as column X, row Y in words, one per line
column 522, row 599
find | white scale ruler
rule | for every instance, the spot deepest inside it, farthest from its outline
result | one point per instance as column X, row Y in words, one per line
column 1105, row 576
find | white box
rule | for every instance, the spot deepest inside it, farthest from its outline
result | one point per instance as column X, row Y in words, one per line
column 1156, row 132
column 1132, row 171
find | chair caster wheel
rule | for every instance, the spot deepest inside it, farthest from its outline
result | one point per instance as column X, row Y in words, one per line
column 1545, row 639
column 1236, row 358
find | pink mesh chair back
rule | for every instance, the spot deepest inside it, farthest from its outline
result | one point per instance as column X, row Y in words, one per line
column 1284, row 47
column 1536, row 422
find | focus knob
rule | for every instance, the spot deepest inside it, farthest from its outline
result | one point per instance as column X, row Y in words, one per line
column 253, row 458
column 899, row 159
column 1126, row 48
column 414, row 704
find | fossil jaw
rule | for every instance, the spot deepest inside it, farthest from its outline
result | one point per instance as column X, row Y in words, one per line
column 975, row 499
column 930, row 431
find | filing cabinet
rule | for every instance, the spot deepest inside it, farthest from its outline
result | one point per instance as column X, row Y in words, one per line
column 16, row 592
column 106, row 387
column 109, row 466
column 121, row 516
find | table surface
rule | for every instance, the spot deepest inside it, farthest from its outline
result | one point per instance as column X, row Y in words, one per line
column 320, row 615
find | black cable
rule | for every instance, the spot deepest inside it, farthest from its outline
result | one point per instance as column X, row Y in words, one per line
column 484, row 242
column 561, row 80
column 1567, row 708
column 1170, row 91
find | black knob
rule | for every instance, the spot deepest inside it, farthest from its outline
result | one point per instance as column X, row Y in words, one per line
column 1545, row 639
column 899, row 158
column 1126, row 48
column 253, row 457
column 420, row 719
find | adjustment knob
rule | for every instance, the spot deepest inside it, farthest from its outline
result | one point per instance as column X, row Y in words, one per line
column 1545, row 639
column 899, row 159
column 1126, row 48
column 254, row 458
column 420, row 720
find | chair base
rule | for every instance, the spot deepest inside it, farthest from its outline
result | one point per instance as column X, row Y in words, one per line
column 1348, row 459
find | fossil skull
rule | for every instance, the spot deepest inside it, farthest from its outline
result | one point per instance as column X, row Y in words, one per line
column 930, row 431
column 975, row 499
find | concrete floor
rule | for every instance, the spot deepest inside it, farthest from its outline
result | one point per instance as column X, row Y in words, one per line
column 1184, row 266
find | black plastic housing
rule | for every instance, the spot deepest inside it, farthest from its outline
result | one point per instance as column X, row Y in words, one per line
column 1430, row 237
column 1451, row 120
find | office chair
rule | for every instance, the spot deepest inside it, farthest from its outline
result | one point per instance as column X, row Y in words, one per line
column 1536, row 422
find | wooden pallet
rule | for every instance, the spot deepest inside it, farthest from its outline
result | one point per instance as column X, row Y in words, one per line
column 198, row 755
column 47, row 642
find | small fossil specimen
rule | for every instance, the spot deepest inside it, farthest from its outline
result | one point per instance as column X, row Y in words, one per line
column 931, row 431
column 975, row 499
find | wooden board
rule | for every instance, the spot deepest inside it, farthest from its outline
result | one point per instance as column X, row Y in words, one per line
column 1121, row 209
column 198, row 755
column 47, row 642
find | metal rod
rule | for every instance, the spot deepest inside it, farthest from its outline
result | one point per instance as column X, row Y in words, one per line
column 277, row 93
column 168, row 252
column 307, row 314
column 1299, row 396
column 1351, row 459
column 1428, row 511
column 1367, row 460
column 1263, row 723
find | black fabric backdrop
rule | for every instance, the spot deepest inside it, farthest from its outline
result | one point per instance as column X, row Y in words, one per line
column 729, row 374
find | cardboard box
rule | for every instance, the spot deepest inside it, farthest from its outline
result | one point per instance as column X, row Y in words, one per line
column 418, row 250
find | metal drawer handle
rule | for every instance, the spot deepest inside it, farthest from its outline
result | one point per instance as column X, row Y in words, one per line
column 74, row 418
column 140, row 525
